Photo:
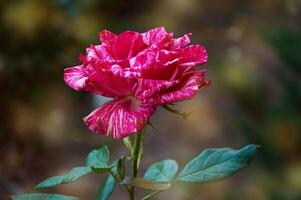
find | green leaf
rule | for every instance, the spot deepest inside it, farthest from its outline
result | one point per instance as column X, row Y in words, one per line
column 128, row 144
column 39, row 196
column 98, row 157
column 121, row 167
column 118, row 168
column 216, row 164
column 141, row 149
column 140, row 153
column 151, row 195
column 106, row 188
column 145, row 184
column 163, row 171
column 109, row 183
column 101, row 170
column 71, row 176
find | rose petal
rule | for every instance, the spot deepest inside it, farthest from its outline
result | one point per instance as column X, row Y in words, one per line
column 97, row 52
column 181, row 41
column 105, row 83
column 76, row 77
column 119, row 118
column 143, row 60
column 183, row 91
column 100, row 82
column 193, row 55
column 129, row 43
column 107, row 37
column 157, row 64
column 157, row 36
column 145, row 88
column 125, row 72
column 122, row 46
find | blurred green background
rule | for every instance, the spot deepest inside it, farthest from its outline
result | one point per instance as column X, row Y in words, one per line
column 255, row 97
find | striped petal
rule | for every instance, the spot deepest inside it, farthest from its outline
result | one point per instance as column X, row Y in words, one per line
column 186, row 90
column 193, row 55
column 181, row 41
column 157, row 36
column 107, row 37
column 146, row 88
column 123, row 46
column 100, row 82
column 117, row 70
column 95, row 53
column 105, row 83
column 76, row 77
column 119, row 118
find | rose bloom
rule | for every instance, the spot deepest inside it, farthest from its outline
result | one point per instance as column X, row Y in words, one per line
column 140, row 71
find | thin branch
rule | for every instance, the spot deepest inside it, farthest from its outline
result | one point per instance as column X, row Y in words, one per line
column 181, row 113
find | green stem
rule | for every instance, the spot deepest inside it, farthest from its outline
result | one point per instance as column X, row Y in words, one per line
column 135, row 155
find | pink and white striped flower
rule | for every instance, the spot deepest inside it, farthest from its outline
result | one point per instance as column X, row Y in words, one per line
column 140, row 71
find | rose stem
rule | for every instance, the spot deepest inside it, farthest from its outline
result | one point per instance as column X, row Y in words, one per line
column 138, row 138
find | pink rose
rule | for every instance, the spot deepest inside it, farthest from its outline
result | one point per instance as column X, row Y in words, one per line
column 140, row 71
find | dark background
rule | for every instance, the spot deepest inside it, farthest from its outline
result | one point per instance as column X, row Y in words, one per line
column 254, row 64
